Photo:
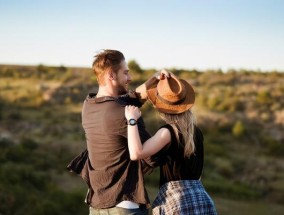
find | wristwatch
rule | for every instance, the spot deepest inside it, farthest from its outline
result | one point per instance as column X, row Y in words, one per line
column 132, row 122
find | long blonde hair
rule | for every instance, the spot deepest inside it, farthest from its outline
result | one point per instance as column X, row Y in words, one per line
column 183, row 124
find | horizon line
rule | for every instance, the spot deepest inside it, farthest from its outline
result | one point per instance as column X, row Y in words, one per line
column 151, row 68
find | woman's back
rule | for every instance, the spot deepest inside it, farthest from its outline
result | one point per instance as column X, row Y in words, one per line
column 178, row 167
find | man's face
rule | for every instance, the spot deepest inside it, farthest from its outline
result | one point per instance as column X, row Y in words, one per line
column 122, row 78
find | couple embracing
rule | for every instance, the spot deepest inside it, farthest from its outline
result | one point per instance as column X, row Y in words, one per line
column 120, row 150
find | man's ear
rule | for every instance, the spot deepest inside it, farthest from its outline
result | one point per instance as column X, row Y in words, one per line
column 111, row 75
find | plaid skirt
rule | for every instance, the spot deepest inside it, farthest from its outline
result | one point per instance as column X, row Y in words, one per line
column 185, row 197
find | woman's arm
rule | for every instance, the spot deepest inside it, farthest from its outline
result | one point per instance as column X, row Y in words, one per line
column 141, row 91
column 151, row 146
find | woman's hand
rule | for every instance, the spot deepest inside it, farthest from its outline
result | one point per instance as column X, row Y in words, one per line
column 161, row 74
column 141, row 91
column 164, row 73
column 132, row 112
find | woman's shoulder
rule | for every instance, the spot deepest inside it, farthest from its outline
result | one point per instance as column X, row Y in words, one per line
column 198, row 133
column 171, row 130
column 168, row 127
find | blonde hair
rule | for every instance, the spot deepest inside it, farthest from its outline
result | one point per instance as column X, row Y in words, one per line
column 183, row 124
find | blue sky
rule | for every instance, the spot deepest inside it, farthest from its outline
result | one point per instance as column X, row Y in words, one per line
column 204, row 34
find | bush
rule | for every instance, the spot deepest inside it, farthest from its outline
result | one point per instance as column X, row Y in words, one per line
column 238, row 129
column 5, row 145
column 232, row 189
column 15, row 116
column 213, row 102
column 29, row 144
column 263, row 97
column 224, row 167
column 272, row 146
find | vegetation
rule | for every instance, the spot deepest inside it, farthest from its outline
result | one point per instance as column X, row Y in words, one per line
column 241, row 114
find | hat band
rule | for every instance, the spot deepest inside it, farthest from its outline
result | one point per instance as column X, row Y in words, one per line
column 169, row 102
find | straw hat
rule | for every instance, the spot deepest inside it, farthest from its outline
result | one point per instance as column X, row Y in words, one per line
column 171, row 95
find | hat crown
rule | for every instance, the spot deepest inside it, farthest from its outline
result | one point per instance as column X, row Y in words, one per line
column 171, row 95
column 171, row 90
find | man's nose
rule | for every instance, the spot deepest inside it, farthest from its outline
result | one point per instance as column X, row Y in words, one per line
column 129, row 78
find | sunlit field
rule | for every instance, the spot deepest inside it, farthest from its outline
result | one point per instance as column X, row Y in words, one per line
column 241, row 114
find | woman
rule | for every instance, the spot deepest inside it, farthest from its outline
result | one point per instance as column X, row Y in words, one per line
column 179, row 143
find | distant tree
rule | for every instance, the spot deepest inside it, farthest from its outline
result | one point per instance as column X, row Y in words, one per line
column 62, row 68
column 134, row 67
column 41, row 68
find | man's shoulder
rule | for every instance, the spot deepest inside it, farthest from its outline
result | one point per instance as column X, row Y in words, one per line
column 130, row 98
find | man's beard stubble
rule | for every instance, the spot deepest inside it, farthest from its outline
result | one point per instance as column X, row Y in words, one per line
column 122, row 90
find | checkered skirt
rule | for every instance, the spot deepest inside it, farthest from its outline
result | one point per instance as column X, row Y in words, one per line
column 185, row 197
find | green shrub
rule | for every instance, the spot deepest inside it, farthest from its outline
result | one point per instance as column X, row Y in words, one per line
column 238, row 129
column 28, row 144
column 213, row 103
column 224, row 167
column 5, row 145
column 15, row 115
column 263, row 97
column 272, row 146
column 232, row 189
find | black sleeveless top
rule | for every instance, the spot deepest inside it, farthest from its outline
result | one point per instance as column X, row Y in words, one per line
column 175, row 165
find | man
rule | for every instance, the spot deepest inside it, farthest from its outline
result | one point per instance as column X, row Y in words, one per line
column 115, row 182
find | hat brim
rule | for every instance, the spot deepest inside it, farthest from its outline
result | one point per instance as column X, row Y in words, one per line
column 172, row 109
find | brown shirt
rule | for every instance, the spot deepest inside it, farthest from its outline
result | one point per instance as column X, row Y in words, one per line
column 112, row 176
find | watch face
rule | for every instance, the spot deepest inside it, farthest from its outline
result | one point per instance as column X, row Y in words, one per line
column 132, row 122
